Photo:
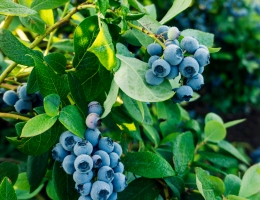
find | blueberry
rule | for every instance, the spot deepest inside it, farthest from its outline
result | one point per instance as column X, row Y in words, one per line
column 81, row 178
column 203, row 47
column 97, row 161
column 113, row 196
column 190, row 44
column 84, row 189
column 175, row 99
column 83, row 147
column 104, row 156
column 68, row 164
column 10, row 98
column 120, row 168
column 93, row 136
column 148, row 104
column 105, row 174
column 196, row 82
column 161, row 68
column 111, row 188
column 119, row 182
column 95, row 149
column 19, row 87
column 189, row 67
column 93, row 121
column 118, row 149
column 114, row 159
column 154, row 49
column 169, row 42
column 174, row 33
column 59, row 153
column 68, row 140
column 151, row 60
column 151, row 79
column 173, row 73
column 2, row 91
column 202, row 56
column 24, row 95
column 163, row 29
column 106, row 144
column 39, row 96
column 23, row 106
column 72, row 153
column 173, row 54
column 100, row 190
column 83, row 163
column 84, row 198
column 184, row 93
column 94, row 107
column 201, row 70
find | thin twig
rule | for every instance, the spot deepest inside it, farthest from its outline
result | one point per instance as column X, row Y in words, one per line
column 13, row 116
column 198, row 146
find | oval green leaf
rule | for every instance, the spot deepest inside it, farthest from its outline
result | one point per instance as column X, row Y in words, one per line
column 8, row 7
column 51, row 104
column 215, row 131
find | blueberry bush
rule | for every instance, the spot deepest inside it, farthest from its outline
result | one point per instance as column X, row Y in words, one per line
column 95, row 120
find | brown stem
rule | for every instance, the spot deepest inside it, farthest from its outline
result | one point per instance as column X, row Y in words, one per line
column 13, row 116
column 198, row 146
column 8, row 87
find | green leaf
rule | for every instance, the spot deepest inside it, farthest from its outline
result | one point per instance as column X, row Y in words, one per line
column 14, row 49
column 47, row 16
column 130, row 16
column 149, row 23
column 104, row 49
column 136, row 5
column 51, row 105
column 9, row 170
column 32, row 85
column 148, row 165
column 47, row 4
column 34, row 24
column 192, row 125
column 176, row 184
column 39, row 110
column 8, row 7
column 214, row 50
column 152, row 134
column 232, row 185
column 64, row 45
column 233, row 197
column 7, row 191
column 123, row 50
column 183, row 153
column 22, row 182
column 151, row 10
column 63, row 183
column 214, row 131
column 39, row 144
column 208, row 167
column 103, row 5
column 25, row 194
column 134, row 110
column 36, row 170
column 250, row 182
column 232, row 150
column 130, row 38
column 111, row 99
column 170, row 138
column 38, row 125
column 206, row 39
column 57, row 62
column 217, row 184
column 213, row 117
column 77, row 92
column 233, row 123
column 255, row 196
column 72, row 119
column 50, row 190
column 177, row 7
column 184, row 113
column 190, row 181
column 19, row 128
column 139, row 189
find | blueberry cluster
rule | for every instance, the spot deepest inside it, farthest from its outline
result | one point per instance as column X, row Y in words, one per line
column 173, row 62
column 94, row 162
column 236, row 8
column 206, row 4
column 22, row 101
column 2, row 103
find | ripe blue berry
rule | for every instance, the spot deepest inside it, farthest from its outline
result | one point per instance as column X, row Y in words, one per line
column 111, row 188
column 68, row 164
column 10, row 98
column 154, row 49
column 203, row 47
column 174, row 33
column 106, row 144
column 117, row 149
column 23, row 106
column 93, row 121
column 151, row 79
column 83, row 147
column 24, row 95
column 84, row 189
column 2, row 91
column 120, row 168
column 93, row 136
column 97, row 161
column 94, row 107
column 163, row 29
column 201, row 70
column 68, row 140
column 173, row 54
column 151, row 60
column 161, row 68
column 83, row 163
column 175, row 99
column 119, row 182
column 184, row 93
column 84, row 198
column 59, row 153
column 202, row 56
column 196, row 82
column 100, row 190
column 104, row 156
column 169, row 42
column 105, row 174
column 189, row 67
column 113, row 196
column 190, row 44
column 114, row 159
column 81, row 178
column 173, row 73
